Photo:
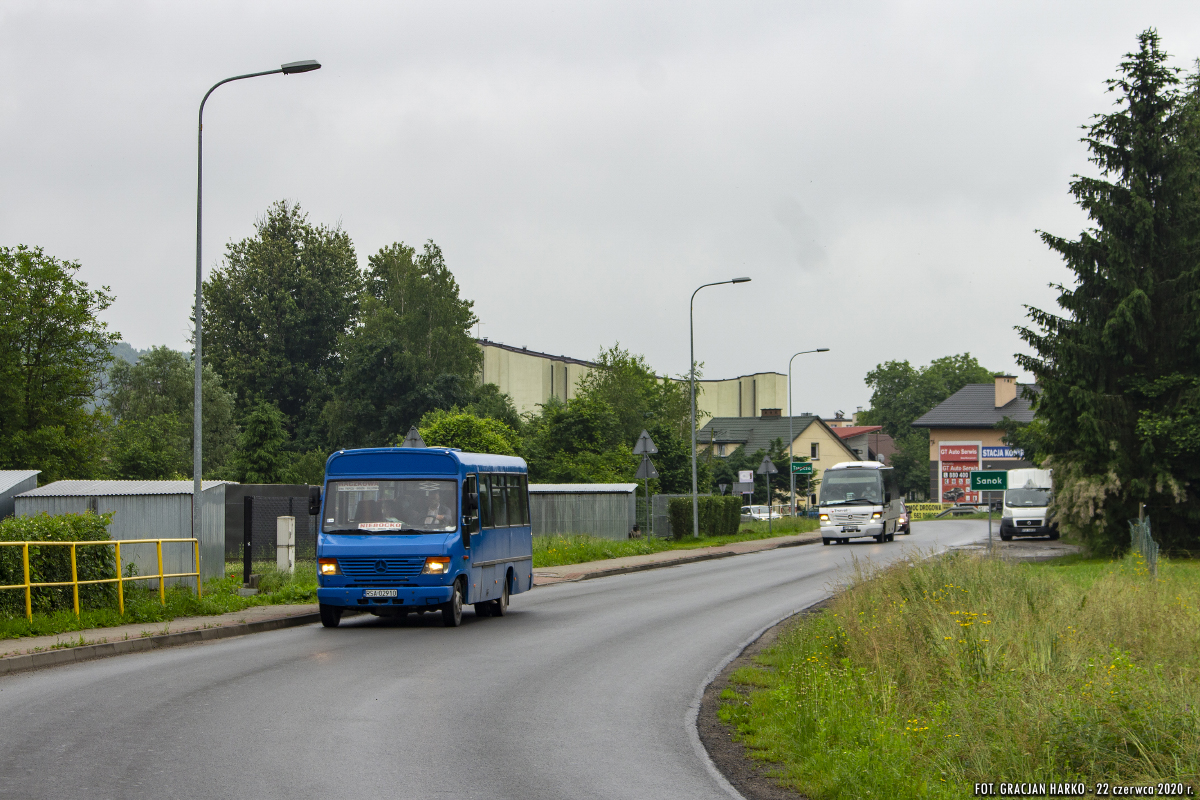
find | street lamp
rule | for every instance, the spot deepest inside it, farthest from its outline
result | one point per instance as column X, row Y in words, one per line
column 291, row 68
column 791, row 436
column 692, row 373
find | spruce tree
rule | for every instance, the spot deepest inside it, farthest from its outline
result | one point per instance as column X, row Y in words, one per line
column 1119, row 369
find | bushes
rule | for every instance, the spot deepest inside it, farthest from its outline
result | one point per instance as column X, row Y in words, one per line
column 719, row 516
column 52, row 564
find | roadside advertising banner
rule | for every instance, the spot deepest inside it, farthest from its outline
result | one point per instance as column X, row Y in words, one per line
column 956, row 462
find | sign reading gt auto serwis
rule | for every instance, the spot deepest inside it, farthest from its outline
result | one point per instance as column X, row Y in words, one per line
column 988, row 480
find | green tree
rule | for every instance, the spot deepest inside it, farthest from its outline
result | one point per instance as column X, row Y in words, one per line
column 468, row 432
column 627, row 385
column 152, row 403
column 578, row 441
column 411, row 353
column 53, row 350
column 1119, row 367
column 274, row 313
column 261, row 457
column 900, row 393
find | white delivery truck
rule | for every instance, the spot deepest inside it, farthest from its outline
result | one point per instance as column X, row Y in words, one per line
column 1025, row 501
column 859, row 499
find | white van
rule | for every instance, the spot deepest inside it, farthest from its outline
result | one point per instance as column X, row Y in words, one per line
column 859, row 499
column 1025, row 501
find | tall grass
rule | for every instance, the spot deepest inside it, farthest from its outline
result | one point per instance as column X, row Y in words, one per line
column 930, row 676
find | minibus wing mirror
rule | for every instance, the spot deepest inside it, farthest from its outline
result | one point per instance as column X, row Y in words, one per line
column 314, row 501
column 471, row 501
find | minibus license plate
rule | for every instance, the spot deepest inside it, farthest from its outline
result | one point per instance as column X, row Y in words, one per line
column 848, row 529
column 380, row 592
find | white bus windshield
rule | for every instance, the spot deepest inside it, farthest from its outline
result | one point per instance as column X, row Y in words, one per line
column 846, row 486
column 380, row 506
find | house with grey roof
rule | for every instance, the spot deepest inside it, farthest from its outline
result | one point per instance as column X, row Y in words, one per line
column 963, row 436
column 812, row 437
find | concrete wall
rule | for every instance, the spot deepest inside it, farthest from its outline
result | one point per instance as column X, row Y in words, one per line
column 167, row 516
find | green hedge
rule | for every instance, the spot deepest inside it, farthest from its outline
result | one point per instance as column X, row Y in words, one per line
column 49, row 564
column 719, row 516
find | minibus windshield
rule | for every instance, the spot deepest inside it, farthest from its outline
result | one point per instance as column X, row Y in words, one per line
column 401, row 506
column 856, row 486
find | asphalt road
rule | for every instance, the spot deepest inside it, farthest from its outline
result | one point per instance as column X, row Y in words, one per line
column 583, row 691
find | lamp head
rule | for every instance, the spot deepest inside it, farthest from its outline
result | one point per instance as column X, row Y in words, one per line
column 294, row 67
column 740, row 280
column 822, row 349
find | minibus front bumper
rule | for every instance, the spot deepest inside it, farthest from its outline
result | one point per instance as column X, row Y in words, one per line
column 407, row 596
column 851, row 530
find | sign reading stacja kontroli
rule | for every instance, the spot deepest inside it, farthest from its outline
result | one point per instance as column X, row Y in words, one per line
column 989, row 480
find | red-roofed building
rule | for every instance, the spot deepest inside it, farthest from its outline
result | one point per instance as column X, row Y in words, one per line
column 868, row 442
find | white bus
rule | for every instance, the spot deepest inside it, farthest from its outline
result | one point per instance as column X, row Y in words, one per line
column 859, row 499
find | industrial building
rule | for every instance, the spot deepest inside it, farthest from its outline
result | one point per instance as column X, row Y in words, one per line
column 531, row 378
column 12, row 483
column 604, row 510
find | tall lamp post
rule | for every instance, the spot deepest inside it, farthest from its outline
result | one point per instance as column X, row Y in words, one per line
column 692, row 381
column 291, row 68
column 792, row 436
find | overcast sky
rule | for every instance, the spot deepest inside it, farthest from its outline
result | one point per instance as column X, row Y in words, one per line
column 878, row 169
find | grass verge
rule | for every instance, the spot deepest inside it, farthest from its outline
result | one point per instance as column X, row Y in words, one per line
column 561, row 549
column 142, row 604
column 931, row 676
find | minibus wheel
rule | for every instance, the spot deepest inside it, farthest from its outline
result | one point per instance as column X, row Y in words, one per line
column 500, row 607
column 452, row 609
column 330, row 615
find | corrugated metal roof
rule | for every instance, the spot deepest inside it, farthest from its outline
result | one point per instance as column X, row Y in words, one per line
column 582, row 488
column 974, row 406
column 110, row 488
column 855, row 430
column 11, row 477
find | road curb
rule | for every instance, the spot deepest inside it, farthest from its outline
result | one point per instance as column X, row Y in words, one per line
column 605, row 573
column 70, row 655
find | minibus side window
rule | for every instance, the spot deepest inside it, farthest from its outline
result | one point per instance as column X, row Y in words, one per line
column 515, row 496
column 524, row 499
column 470, row 517
column 499, row 515
column 485, row 500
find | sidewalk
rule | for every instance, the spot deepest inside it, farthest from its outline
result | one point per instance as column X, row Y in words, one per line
column 42, row 651
column 545, row 576
column 62, row 648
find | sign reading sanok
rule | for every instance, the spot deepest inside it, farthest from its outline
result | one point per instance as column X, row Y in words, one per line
column 988, row 480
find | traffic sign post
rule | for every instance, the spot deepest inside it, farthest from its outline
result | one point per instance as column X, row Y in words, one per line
column 989, row 481
column 767, row 468
column 645, row 447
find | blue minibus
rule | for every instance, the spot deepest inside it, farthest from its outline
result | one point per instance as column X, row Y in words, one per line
column 410, row 529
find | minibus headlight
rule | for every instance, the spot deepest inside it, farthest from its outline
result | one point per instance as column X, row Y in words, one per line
column 328, row 566
column 436, row 565
column 824, row 518
column 877, row 515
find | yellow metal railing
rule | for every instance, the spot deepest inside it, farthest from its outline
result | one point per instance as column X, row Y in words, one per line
column 120, row 580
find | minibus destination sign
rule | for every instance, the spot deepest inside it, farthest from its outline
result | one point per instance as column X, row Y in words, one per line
column 989, row 480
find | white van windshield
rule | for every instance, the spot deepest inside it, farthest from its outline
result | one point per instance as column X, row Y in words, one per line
column 376, row 506
column 1027, row 498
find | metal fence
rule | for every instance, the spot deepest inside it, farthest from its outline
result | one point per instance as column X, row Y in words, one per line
column 1143, row 544
column 265, row 511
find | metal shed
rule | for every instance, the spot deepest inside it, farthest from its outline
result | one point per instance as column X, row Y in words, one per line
column 604, row 510
column 12, row 483
column 143, row 510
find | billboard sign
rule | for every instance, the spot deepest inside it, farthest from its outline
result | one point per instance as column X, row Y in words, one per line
column 745, row 476
column 1003, row 452
column 956, row 462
